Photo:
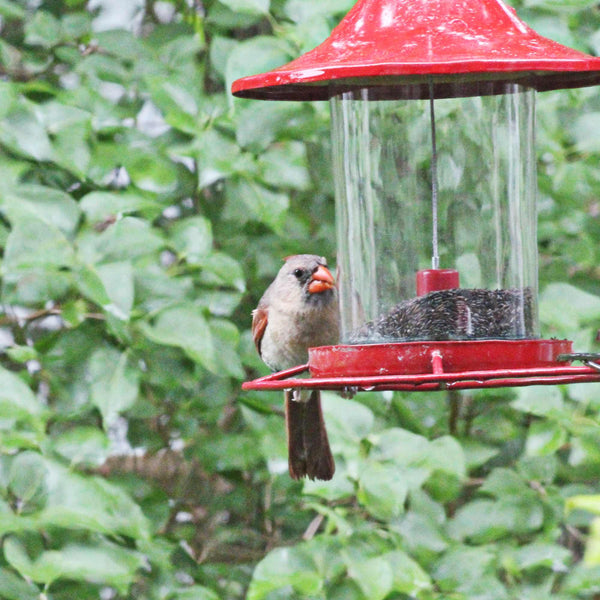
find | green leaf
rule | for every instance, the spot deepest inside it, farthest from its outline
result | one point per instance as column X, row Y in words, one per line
column 382, row 491
column 223, row 17
column 128, row 239
column 545, row 438
column 348, row 421
column 585, row 130
column 17, row 400
column 54, row 207
column 305, row 10
column 583, row 580
column 70, row 129
column 22, row 132
column 405, row 448
column 476, row 453
column 504, row 482
column 114, row 383
column 76, row 25
column 91, row 286
column 564, row 307
column 539, row 400
column 340, row 488
column 590, row 503
column 218, row 156
column 443, row 487
column 374, row 576
column 538, row 468
column 151, row 172
column 195, row 592
column 568, row 6
column 12, row 587
column 250, row 201
column 185, row 327
column 219, row 51
column 221, row 303
column 35, row 286
column 34, row 243
column 231, row 452
column 283, row 568
column 462, row 565
column 103, row 67
column 103, row 563
column 422, row 535
column 43, row 30
column 9, row 98
column 117, row 280
column 54, row 496
column 285, row 165
column 92, row 503
column 539, row 554
column 10, row 10
column 156, row 289
column 255, row 55
column 408, row 576
column 124, row 43
column 260, row 125
column 99, row 207
column 247, row 6
column 74, row 313
column 592, row 549
column 28, row 481
column 57, row 116
column 446, row 454
column 72, row 149
column 21, row 354
column 192, row 238
column 585, row 450
column 336, row 520
column 11, row 522
column 86, row 446
column 397, row 444
column 485, row 520
column 219, row 269
column 177, row 103
column 226, row 339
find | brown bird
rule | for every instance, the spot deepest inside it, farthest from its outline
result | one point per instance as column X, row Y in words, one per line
column 300, row 310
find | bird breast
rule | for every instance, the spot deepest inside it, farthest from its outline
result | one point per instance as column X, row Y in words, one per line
column 289, row 335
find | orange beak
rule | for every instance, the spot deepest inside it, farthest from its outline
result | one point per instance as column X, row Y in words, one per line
column 321, row 280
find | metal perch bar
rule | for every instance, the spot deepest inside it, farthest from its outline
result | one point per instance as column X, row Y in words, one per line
column 429, row 381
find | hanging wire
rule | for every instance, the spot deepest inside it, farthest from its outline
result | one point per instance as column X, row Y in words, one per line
column 435, row 258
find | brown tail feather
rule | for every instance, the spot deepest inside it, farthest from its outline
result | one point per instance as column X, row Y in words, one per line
column 309, row 454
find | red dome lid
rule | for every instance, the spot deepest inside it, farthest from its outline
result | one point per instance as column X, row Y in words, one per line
column 396, row 47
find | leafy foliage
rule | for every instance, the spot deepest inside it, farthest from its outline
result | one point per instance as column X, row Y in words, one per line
column 143, row 210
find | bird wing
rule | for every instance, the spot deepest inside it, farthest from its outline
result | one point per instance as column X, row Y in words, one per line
column 259, row 324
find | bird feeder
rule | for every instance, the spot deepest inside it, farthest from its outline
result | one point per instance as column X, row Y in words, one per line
column 433, row 117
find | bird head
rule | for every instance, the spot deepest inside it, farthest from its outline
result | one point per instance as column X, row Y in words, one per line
column 308, row 274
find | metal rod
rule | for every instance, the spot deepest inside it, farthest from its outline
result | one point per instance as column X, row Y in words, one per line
column 457, row 384
column 435, row 258
column 567, row 374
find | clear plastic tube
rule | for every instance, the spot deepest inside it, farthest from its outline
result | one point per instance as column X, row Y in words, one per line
column 486, row 215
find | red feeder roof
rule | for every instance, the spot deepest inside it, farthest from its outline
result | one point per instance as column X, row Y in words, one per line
column 396, row 47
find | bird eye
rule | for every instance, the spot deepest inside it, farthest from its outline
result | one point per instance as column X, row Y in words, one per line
column 298, row 273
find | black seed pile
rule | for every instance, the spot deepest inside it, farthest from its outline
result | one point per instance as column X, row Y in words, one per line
column 459, row 314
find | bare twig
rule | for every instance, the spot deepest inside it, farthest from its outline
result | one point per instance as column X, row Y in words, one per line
column 454, row 402
column 313, row 527
column 8, row 320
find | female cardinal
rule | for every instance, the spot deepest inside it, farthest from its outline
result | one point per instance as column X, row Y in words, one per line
column 300, row 310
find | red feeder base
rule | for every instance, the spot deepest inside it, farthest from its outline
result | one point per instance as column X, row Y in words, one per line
column 430, row 366
column 413, row 358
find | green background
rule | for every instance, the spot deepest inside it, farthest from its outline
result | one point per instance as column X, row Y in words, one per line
column 143, row 211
